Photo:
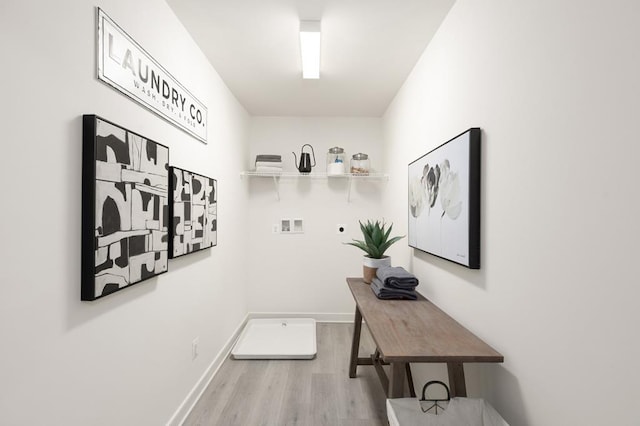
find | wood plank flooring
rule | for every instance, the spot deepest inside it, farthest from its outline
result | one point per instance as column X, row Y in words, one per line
column 314, row 392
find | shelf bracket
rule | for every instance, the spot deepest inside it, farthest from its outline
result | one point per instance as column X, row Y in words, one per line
column 350, row 179
column 276, row 184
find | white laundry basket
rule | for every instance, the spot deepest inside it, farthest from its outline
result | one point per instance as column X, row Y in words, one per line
column 452, row 411
column 459, row 412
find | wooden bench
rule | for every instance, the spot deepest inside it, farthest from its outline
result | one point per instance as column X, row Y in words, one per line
column 407, row 331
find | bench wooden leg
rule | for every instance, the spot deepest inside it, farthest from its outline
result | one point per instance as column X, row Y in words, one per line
column 377, row 363
column 456, row 379
column 355, row 343
column 412, row 391
column 396, row 379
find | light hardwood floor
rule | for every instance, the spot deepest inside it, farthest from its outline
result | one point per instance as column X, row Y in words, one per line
column 314, row 392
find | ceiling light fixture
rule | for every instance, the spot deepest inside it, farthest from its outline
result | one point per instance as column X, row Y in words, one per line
column 310, row 48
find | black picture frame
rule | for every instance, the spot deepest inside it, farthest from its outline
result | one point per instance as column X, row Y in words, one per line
column 125, row 221
column 193, row 210
column 444, row 200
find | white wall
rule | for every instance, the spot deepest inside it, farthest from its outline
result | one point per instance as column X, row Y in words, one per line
column 306, row 272
column 555, row 88
column 124, row 359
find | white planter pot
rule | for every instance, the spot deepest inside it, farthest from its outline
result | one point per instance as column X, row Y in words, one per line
column 370, row 266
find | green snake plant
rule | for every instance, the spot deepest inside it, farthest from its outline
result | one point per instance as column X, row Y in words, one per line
column 376, row 239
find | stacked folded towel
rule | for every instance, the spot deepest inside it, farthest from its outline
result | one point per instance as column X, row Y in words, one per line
column 394, row 282
column 268, row 163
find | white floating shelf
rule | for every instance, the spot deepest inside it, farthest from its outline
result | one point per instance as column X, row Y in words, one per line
column 317, row 175
column 276, row 176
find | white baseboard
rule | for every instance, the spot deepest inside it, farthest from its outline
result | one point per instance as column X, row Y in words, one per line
column 318, row 316
column 192, row 398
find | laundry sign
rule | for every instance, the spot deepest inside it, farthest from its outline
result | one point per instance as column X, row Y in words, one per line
column 126, row 66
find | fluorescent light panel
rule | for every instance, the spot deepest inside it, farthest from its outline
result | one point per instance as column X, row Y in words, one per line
column 310, row 48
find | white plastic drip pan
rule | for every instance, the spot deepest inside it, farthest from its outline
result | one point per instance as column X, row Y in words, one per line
column 277, row 338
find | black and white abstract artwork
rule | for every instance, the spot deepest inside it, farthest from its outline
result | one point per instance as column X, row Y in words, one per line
column 125, row 232
column 194, row 212
column 444, row 200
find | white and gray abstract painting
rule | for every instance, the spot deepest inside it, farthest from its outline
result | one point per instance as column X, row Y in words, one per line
column 439, row 194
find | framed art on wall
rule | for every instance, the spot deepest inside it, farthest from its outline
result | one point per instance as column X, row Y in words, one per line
column 193, row 212
column 125, row 180
column 444, row 200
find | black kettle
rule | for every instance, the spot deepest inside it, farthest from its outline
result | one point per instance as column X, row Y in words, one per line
column 305, row 159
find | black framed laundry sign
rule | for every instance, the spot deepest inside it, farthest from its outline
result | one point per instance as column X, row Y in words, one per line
column 124, row 65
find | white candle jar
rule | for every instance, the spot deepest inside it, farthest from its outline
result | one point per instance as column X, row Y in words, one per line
column 360, row 164
column 335, row 161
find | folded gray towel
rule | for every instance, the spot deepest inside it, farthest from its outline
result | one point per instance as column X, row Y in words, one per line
column 397, row 277
column 268, row 158
column 383, row 292
column 269, row 163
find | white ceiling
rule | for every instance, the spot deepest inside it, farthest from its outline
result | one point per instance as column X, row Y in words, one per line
column 368, row 49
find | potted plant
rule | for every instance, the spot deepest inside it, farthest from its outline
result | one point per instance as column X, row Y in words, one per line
column 376, row 242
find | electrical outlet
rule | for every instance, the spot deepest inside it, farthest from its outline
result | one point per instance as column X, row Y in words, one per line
column 194, row 348
column 274, row 228
column 341, row 229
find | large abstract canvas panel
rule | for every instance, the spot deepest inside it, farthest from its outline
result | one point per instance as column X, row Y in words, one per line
column 444, row 200
column 125, row 218
column 193, row 211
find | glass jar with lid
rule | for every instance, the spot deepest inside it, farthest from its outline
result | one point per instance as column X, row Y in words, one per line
column 336, row 161
column 360, row 164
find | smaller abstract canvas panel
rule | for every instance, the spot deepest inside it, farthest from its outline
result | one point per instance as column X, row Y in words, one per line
column 125, row 208
column 193, row 211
